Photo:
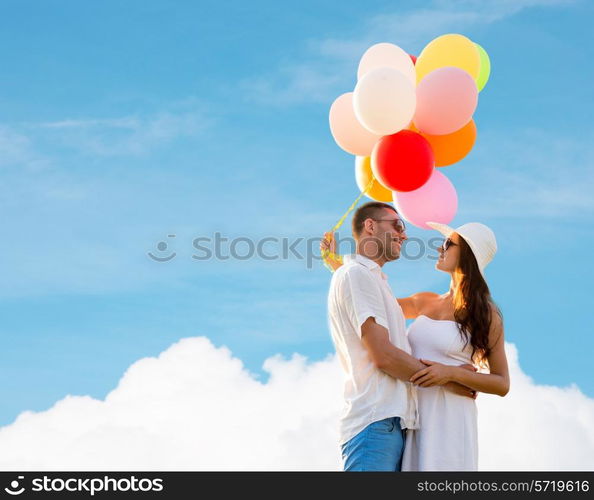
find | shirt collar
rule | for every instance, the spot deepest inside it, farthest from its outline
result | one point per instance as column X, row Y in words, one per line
column 365, row 261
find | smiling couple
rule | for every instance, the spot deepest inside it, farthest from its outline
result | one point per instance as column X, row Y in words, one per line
column 409, row 395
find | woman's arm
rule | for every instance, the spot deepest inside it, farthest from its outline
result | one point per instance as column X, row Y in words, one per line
column 495, row 382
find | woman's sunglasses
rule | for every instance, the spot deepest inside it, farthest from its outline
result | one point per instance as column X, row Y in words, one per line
column 447, row 244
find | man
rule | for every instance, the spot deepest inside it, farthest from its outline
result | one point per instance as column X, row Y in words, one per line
column 369, row 333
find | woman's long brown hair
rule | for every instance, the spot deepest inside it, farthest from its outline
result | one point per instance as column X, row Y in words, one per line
column 473, row 304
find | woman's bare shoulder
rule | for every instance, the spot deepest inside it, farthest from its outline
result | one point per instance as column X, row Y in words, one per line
column 422, row 297
column 423, row 300
column 414, row 304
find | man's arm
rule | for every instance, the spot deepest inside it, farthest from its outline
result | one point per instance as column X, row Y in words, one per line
column 385, row 355
column 363, row 303
column 393, row 361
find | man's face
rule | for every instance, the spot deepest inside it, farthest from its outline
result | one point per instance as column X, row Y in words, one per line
column 388, row 235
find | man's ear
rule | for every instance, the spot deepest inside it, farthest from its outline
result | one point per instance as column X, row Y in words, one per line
column 368, row 225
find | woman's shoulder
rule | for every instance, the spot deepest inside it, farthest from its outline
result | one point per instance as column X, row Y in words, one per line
column 415, row 304
column 423, row 298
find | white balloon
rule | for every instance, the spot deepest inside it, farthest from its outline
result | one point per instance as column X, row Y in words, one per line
column 348, row 133
column 390, row 55
column 384, row 101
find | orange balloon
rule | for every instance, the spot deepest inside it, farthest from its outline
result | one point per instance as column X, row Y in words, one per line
column 451, row 148
column 363, row 176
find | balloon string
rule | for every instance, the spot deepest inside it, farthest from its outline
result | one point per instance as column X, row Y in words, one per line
column 353, row 205
column 327, row 254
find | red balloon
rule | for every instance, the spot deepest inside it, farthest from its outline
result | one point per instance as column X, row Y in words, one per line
column 414, row 58
column 403, row 161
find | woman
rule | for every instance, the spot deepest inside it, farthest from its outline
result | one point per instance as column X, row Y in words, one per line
column 458, row 327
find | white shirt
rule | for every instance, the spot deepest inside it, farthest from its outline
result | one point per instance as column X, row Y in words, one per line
column 359, row 290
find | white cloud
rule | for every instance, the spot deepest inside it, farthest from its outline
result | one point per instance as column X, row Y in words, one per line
column 329, row 65
column 125, row 123
column 195, row 407
column 536, row 427
column 128, row 135
column 16, row 149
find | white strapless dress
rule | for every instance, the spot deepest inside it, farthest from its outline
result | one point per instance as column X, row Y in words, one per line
column 447, row 438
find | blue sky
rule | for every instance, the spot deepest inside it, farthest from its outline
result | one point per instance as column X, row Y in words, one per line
column 123, row 123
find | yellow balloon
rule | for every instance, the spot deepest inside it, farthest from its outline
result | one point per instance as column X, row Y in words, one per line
column 363, row 176
column 449, row 50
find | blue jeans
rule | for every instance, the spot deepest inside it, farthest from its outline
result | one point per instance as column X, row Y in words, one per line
column 378, row 447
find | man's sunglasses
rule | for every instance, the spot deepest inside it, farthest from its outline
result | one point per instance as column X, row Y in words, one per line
column 398, row 224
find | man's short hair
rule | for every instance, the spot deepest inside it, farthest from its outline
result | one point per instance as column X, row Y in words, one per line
column 370, row 210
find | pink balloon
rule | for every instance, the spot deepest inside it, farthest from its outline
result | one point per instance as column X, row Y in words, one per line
column 446, row 100
column 348, row 133
column 436, row 200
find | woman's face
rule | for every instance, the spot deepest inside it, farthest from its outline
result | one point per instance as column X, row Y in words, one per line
column 449, row 253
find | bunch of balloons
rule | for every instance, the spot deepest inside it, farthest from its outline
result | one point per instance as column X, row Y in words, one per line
column 407, row 116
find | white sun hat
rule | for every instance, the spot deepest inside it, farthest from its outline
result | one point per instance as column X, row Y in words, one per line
column 479, row 237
